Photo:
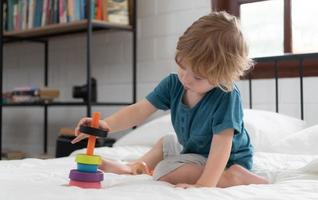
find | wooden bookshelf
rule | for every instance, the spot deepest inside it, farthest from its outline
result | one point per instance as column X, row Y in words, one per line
column 65, row 28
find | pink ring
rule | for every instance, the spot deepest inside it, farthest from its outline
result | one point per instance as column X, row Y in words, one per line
column 96, row 185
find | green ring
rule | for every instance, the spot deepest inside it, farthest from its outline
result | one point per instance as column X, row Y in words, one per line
column 89, row 160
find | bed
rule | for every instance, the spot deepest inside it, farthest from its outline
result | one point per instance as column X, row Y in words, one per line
column 288, row 159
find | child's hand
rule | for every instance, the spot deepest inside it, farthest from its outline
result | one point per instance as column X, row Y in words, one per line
column 86, row 121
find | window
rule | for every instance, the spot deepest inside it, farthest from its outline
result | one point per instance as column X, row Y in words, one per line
column 304, row 26
column 263, row 24
column 274, row 27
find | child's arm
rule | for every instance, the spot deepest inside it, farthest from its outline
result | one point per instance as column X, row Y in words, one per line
column 130, row 116
column 218, row 158
column 123, row 119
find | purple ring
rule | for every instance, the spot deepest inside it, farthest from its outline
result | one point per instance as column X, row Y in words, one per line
column 86, row 176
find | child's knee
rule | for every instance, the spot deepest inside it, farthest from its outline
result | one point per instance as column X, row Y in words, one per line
column 234, row 168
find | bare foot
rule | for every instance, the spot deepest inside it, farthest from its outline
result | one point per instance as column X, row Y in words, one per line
column 238, row 175
column 115, row 167
column 119, row 168
column 140, row 168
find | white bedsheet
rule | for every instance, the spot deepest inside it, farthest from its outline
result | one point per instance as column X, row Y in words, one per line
column 293, row 176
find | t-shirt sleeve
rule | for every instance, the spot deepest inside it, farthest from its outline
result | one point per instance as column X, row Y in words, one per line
column 160, row 97
column 229, row 113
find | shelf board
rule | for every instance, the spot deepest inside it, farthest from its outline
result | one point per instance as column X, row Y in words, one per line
column 68, row 103
column 43, row 104
column 64, row 28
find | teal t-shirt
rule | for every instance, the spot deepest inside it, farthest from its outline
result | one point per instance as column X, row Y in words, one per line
column 195, row 127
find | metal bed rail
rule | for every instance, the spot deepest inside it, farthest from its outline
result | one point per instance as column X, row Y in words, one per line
column 276, row 66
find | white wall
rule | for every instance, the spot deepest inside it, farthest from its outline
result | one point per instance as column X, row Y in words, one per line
column 160, row 23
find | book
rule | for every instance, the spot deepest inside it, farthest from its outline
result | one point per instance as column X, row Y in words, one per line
column 31, row 7
column 44, row 12
column 105, row 10
column 118, row 11
column 24, row 13
column 82, row 9
column 99, row 12
column 4, row 11
column 62, row 11
column 33, row 94
column 77, row 10
column 38, row 13
column 10, row 15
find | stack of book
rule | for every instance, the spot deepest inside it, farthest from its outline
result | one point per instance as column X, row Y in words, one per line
column 27, row 14
column 32, row 95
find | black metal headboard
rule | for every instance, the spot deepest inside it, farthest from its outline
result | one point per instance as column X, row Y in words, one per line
column 289, row 65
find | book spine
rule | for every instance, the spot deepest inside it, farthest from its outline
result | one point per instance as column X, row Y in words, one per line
column 24, row 14
column 77, row 10
column 44, row 12
column 48, row 12
column 10, row 15
column 92, row 9
column 5, row 14
column 52, row 11
column 105, row 10
column 56, row 11
column 38, row 13
column 82, row 9
column 31, row 14
column 27, row 14
column 99, row 10
column 62, row 11
column 70, row 10
column 15, row 16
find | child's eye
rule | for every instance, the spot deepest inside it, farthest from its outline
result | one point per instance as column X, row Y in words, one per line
column 198, row 78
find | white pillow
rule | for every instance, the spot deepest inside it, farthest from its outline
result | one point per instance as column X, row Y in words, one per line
column 149, row 133
column 265, row 128
column 302, row 142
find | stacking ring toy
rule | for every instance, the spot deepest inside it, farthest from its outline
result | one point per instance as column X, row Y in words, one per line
column 93, row 131
column 86, row 176
column 88, row 159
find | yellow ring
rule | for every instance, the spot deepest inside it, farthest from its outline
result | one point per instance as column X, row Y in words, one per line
column 87, row 159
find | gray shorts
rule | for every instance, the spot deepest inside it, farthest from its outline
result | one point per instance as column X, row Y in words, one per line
column 172, row 159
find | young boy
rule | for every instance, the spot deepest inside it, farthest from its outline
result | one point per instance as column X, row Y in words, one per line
column 212, row 148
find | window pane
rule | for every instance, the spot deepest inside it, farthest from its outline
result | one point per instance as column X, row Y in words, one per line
column 305, row 26
column 263, row 25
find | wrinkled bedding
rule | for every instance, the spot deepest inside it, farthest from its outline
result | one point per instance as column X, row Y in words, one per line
column 292, row 177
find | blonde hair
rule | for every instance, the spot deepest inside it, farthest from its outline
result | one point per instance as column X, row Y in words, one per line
column 215, row 49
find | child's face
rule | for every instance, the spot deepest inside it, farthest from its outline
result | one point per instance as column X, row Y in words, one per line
column 191, row 81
